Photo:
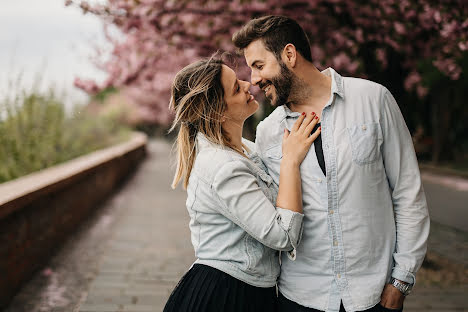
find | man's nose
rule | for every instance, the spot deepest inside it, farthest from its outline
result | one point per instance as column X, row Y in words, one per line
column 255, row 78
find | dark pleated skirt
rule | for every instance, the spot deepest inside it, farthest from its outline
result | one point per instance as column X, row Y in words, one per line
column 204, row 289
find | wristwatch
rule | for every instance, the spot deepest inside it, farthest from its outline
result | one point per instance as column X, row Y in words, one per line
column 405, row 289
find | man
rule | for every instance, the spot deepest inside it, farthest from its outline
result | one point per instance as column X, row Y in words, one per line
column 366, row 222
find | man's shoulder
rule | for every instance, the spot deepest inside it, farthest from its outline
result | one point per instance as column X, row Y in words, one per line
column 271, row 121
column 270, row 128
column 275, row 117
column 360, row 86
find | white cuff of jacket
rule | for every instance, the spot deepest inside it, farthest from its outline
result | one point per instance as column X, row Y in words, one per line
column 291, row 222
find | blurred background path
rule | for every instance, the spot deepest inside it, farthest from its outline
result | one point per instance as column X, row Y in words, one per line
column 130, row 254
column 447, row 198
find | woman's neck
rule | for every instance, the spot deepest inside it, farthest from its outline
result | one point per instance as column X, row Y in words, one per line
column 234, row 133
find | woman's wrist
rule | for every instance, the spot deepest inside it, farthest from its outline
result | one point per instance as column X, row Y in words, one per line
column 289, row 162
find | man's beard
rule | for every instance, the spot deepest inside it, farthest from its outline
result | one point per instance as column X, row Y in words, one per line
column 282, row 83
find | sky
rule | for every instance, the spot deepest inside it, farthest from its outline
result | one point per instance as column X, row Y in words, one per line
column 44, row 38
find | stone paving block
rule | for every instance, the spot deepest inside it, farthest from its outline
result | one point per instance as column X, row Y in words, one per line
column 96, row 299
column 111, row 278
column 153, row 299
column 141, row 308
column 100, row 308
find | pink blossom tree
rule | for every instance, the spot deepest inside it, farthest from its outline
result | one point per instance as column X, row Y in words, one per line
column 384, row 40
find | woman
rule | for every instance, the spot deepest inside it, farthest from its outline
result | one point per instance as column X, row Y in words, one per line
column 236, row 229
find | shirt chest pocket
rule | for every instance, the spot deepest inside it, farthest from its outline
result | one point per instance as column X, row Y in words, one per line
column 274, row 153
column 365, row 141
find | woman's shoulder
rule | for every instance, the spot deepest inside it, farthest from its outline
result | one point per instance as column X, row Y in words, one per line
column 210, row 161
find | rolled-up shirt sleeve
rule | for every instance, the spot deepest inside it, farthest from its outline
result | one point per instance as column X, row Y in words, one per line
column 409, row 201
column 242, row 201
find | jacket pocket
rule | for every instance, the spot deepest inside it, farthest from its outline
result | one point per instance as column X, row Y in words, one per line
column 365, row 142
column 254, row 250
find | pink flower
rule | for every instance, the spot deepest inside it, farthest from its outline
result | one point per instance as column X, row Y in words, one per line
column 359, row 35
column 381, row 56
column 421, row 91
column 399, row 28
column 412, row 80
column 463, row 46
column 47, row 272
column 437, row 17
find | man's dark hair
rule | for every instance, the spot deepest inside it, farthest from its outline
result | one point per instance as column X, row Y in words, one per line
column 275, row 32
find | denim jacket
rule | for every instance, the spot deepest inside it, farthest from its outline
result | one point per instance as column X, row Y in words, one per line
column 235, row 226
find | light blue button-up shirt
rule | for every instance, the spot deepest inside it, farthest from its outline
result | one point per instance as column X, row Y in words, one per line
column 367, row 219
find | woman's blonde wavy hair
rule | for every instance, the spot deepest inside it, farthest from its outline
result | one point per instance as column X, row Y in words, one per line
column 197, row 98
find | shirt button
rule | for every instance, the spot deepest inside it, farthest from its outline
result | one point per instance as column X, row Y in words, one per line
column 332, row 212
column 364, row 127
column 319, row 180
column 335, row 243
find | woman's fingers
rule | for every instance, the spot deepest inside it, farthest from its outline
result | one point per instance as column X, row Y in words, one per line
column 311, row 125
column 309, row 118
column 314, row 135
column 298, row 122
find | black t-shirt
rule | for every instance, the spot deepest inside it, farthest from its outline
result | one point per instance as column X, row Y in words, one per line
column 319, row 150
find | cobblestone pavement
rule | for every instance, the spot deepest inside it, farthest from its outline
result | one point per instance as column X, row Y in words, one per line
column 131, row 253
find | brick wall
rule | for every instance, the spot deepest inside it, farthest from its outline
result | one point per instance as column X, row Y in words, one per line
column 46, row 209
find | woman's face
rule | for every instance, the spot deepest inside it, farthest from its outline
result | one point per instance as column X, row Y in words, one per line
column 240, row 103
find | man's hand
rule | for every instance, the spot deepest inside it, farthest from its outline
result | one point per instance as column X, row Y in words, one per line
column 391, row 297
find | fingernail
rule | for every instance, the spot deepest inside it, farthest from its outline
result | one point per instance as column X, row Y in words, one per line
column 316, row 117
column 303, row 113
column 320, row 128
column 313, row 113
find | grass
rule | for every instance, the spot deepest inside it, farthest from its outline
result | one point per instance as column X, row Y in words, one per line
column 36, row 132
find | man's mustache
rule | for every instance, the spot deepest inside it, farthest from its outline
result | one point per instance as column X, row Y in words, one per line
column 261, row 85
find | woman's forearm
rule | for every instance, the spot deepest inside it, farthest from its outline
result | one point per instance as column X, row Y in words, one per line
column 290, row 192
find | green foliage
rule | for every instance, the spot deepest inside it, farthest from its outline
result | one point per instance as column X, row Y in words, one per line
column 104, row 94
column 36, row 133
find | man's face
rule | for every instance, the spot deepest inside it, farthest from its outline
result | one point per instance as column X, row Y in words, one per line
column 273, row 77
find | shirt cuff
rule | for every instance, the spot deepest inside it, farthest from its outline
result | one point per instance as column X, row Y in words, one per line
column 291, row 222
column 403, row 275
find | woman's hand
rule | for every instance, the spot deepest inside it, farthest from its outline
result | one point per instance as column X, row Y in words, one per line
column 295, row 147
column 296, row 143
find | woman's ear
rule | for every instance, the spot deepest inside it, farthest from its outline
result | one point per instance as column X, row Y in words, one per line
column 289, row 55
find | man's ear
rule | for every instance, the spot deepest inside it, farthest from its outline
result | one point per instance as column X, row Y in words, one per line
column 289, row 55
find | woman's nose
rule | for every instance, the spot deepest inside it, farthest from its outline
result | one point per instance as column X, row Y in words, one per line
column 246, row 85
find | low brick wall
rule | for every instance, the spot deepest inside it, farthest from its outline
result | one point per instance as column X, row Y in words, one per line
column 39, row 211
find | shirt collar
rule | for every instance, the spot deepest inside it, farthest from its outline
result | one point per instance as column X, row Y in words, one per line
column 336, row 88
column 337, row 81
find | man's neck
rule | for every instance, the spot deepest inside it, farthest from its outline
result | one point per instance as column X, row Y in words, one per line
column 311, row 92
